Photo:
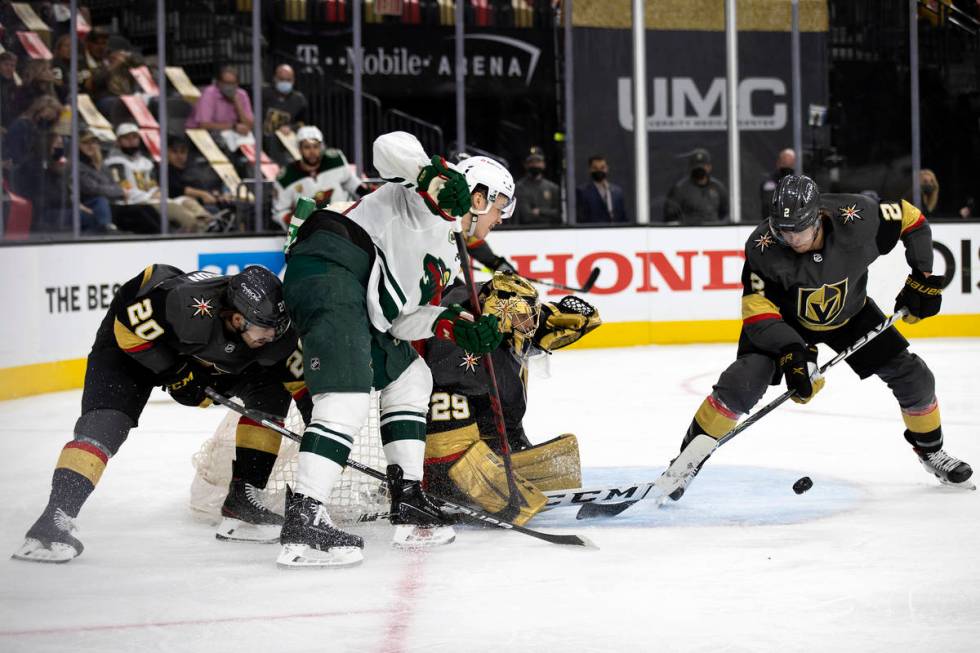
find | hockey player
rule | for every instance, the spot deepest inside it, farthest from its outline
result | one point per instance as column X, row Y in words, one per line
column 184, row 332
column 462, row 445
column 321, row 173
column 359, row 287
column 804, row 282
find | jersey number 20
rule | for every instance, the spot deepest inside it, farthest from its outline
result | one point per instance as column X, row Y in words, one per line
column 140, row 315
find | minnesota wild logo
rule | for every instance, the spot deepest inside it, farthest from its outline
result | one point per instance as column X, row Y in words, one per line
column 435, row 277
column 821, row 306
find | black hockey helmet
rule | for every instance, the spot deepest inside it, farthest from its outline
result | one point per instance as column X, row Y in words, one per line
column 256, row 293
column 795, row 205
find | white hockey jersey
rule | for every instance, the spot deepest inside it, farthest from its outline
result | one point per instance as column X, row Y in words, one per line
column 416, row 255
column 333, row 181
column 135, row 174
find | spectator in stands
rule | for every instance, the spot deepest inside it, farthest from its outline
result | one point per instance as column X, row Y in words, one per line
column 94, row 56
column 8, row 87
column 135, row 172
column 537, row 198
column 285, row 107
column 285, row 112
column 929, row 185
column 96, row 189
column 224, row 107
column 27, row 144
column 113, row 81
column 785, row 165
column 321, row 173
column 600, row 200
column 37, row 80
column 61, row 64
column 697, row 198
column 181, row 179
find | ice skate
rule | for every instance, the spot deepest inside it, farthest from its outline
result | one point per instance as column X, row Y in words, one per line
column 245, row 518
column 948, row 469
column 309, row 538
column 419, row 523
column 50, row 539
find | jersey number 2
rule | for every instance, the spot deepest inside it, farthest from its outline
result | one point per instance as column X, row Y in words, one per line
column 139, row 318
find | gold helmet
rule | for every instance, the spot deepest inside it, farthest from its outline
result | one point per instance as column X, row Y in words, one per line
column 515, row 303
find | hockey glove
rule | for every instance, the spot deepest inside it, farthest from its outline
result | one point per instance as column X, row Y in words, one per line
column 187, row 383
column 799, row 365
column 444, row 189
column 476, row 337
column 922, row 295
column 500, row 264
column 565, row 322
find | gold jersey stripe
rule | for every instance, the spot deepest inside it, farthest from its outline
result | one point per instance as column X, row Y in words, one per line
column 260, row 438
column 126, row 339
column 294, row 386
column 911, row 216
column 82, row 462
column 147, row 273
column 756, row 304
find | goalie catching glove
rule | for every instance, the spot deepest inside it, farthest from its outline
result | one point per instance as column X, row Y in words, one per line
column 922, row 295
column 565, row 322
column 187, row 384
column 478, row 336
column 799, row 365
column 444, row 189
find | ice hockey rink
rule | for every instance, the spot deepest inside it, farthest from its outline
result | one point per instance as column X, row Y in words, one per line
column 876, row 557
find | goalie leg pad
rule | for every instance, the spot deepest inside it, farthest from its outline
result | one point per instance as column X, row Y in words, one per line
column 551, row 465
column 479, row 474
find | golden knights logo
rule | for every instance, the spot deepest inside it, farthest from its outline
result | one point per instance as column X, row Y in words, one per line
column 849, row 214
column 821, row 306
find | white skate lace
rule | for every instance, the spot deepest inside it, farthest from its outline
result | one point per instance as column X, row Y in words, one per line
column 63, row 521
column 321, row 517
column 251, row 493
column 943, row 461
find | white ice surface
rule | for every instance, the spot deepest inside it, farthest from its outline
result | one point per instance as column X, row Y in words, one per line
column 876, row 557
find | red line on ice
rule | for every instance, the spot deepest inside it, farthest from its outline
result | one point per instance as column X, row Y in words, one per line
column 185, row 622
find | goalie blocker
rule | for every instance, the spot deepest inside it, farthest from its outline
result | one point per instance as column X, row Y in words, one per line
column 461, row 458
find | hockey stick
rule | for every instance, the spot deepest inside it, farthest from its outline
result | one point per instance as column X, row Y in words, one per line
column 263, row 419
column 682, row 469
column 515, row 498
column 586, row 287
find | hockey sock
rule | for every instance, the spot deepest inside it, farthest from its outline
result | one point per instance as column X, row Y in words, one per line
column 256, row 449
column 403, row 440
column 924, row 427
column 78, row 471
column 713, row 418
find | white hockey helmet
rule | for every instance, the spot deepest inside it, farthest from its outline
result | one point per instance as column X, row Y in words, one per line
column 484, row 171
column 309, row 133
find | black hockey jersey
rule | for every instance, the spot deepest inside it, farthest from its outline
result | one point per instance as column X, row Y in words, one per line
column 821, row 290
column 165, row 314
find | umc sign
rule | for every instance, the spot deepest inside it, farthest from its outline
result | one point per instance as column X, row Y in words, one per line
column 679, row 105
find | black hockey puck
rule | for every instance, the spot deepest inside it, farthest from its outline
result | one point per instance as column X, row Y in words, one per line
column 802, row 485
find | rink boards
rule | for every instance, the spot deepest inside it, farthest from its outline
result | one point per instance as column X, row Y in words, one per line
column 656, row 286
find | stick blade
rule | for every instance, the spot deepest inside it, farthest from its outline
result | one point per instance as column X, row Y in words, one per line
column 570, row 540
column 596, row 510
column 587, row 286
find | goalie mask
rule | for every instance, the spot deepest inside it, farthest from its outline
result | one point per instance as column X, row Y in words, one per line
column 515, row 303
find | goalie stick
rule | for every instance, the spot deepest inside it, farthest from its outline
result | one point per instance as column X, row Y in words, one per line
column 684, row 467
column 479, row 515
column 586, row 287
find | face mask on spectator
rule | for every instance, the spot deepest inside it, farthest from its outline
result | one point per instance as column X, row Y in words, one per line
column 782, row 172
column 57, row 153
column 699, row 174
column 928, row 188
column 130, row 151
column 228, row 90
column 598, row 175
column 284, row 87
column 535, row 172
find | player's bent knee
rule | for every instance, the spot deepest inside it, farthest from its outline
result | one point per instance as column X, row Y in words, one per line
column 741, row 386
column 910, row 379
column 411, row 390
column 347, row 410
column 104, row 428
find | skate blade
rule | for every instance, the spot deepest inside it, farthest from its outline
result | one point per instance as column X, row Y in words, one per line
column 235, row 530
column 963, row 485
column 33, row 551
column 296, row 556
column 408, row 536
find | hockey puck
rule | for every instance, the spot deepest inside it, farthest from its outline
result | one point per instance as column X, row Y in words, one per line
column 802, row 485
